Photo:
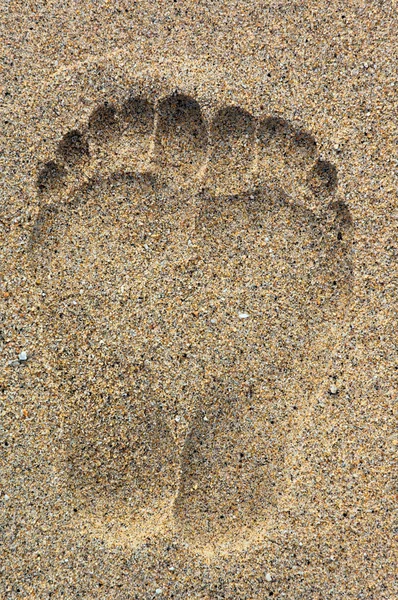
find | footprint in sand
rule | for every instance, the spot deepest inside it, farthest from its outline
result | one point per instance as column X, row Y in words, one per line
column 190, row 269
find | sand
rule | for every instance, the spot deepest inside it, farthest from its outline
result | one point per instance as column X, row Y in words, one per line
column 198, row 300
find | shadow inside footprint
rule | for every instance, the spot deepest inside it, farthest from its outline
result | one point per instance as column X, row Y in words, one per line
column 231, row 164
column 138, row 113
column 138, row 117
column 181, row 138
column 279, row 278
column 50, row 177
column 103, row 123
column 119, row 452
column 285, row 156
column 72, row 147
column 322, row 179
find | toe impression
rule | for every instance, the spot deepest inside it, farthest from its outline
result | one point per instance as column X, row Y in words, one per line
column 231, row 163
column 285, row 155
column 181, row 139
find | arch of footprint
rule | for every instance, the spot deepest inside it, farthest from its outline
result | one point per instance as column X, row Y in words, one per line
column 190, row 269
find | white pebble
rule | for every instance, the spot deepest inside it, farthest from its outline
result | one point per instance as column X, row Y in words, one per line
column 268, row 577
column 178, row 418
column 158, row 591
column 333, row 389
column 6, row 497
column 23, row 356
column 243, row 316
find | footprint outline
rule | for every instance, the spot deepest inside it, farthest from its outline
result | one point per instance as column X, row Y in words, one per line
column 74, row 147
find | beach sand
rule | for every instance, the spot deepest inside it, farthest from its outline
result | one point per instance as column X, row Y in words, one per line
column 198, row 300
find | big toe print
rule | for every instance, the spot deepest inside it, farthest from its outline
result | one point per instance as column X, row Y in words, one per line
column 231, row 166
column 181, row 139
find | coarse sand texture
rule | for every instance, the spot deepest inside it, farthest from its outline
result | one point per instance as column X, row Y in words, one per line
column 192, row 263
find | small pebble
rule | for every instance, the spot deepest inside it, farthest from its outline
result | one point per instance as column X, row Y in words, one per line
column 243, row 316
column 333, row 389
column 158, row 591
column 23, row 356
column 6, row 497
column 268, row 577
